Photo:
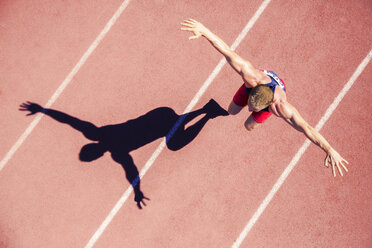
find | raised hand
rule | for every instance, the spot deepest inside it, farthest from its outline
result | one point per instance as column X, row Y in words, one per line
column 334, row 158
column 32, row 107
column 195, row 27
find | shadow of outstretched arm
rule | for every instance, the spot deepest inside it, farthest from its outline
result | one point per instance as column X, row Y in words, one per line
column 89, row 130
column 132, row 175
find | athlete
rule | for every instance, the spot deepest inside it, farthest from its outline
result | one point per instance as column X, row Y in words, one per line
column 264, row 93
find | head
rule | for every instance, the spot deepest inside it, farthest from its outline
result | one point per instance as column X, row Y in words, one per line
column 91, row 152
column 260, row 97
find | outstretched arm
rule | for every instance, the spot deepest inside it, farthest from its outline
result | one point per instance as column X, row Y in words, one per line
column 240, row 65
column 89, row 130
column 293, row 117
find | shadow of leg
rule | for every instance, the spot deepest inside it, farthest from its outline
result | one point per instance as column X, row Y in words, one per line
column 178, row 137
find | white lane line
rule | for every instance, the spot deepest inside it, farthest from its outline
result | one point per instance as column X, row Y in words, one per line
column 65, row 83
column 162, row 145
column 301, row 151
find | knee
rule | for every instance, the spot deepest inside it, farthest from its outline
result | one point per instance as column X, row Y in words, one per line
column 234, row 109
column 250, row 125
column 232, row 112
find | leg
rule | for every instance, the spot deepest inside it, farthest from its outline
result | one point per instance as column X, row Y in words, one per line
column 255, row 119
column 234, row 108
column 239, row 101
column 250, row 123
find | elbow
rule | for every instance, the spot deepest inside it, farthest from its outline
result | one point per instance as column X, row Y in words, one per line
column 236, row 66
column 235, row 60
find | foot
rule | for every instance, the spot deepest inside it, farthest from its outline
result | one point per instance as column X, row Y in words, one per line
column 213, row 109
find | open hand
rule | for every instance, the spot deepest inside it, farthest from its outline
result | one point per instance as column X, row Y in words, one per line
column 334, row 158
column 193, row 26
column 139, row 198
column 32, row 107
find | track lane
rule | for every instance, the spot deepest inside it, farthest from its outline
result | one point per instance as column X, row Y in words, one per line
column 199, row 206
column 41, row 43
column 67, row 190
column 214, row 177
column 314, row 209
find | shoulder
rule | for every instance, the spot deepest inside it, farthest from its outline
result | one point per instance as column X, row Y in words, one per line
column 282, row 108
column 253, row 77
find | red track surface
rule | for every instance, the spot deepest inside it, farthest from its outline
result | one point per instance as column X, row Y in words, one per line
column 204, row 194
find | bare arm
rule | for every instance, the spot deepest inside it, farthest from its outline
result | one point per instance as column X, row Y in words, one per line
column 293, row 117
column 240, row 65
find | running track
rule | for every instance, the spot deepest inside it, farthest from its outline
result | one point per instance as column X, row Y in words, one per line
column 204, row 194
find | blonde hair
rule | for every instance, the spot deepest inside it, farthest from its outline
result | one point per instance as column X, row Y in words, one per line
column 261, row 96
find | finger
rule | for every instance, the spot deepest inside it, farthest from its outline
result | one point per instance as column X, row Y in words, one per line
column 139, row 205
column 339, row 170
column 143, row 202
column 326, row 162
column 146, row 198
column 29, row 114
column 189, row 22
column 334, row 164
column 344, row 166
column 187, row 25
column 334, row 170
column 333, row 161
column 330, row 161
column 345, row 161
column 194, row 37
column 187, row 29
column 192, row 20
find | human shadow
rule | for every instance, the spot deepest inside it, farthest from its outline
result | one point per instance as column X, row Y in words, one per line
column 121, row 139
